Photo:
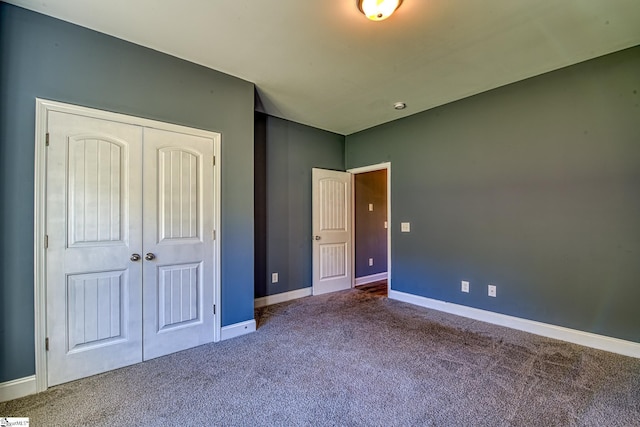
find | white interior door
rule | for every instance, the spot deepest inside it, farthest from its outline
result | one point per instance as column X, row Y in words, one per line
column 178, row 242
column 130, row 224
column 94, row 288
column 331, row 212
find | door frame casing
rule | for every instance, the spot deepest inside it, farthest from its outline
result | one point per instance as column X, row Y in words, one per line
column 43, row 107
column 371, row 168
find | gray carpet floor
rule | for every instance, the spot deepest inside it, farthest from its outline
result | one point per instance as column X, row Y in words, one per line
column 354, row 358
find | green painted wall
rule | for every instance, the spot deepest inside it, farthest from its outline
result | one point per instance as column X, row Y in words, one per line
column 47, row 58
column 533, row 187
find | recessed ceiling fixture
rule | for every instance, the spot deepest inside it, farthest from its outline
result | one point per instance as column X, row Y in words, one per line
column 377, row 10
column 399, row 105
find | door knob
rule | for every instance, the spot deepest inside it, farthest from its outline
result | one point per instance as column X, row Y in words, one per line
column 316, row 237
column 149, row 256
column 135, row 257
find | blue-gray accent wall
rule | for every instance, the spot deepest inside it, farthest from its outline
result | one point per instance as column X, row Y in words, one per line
column 48, row 58
column 533, row 187
column 290, row 150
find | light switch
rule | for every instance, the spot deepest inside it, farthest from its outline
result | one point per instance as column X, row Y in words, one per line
column 465, row 286
column 370, row 207
column 405, row 227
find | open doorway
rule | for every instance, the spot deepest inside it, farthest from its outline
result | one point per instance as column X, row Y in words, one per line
column 371, row 233
column 333, row 229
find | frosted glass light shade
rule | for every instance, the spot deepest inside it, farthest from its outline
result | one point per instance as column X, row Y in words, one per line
column 377, row 10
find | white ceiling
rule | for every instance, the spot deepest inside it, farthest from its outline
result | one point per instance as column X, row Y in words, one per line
column 322, row 63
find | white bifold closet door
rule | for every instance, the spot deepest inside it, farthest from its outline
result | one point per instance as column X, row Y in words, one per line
column 130, row 251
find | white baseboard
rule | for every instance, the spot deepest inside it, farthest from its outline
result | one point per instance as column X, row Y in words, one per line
column 237, row 329
column 370, row 279
column 588, row 339
column 17, row 388
column 282, row 297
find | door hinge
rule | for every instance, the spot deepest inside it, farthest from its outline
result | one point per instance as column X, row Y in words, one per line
column 46, row 344
column 46, row 241
column 214, row 309
column 213, row 234
column 46, row 139
column 213, row 160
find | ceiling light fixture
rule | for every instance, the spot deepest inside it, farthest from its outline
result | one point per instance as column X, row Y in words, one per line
column 399, row 105
column 377, row 10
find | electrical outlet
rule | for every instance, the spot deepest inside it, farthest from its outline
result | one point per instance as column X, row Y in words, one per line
column 370, row 207
column 370, row 262
column 465, row 286
column 274, row 277
column 492, row 290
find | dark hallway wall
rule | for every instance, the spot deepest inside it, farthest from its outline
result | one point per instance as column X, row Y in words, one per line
column 370, row 233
